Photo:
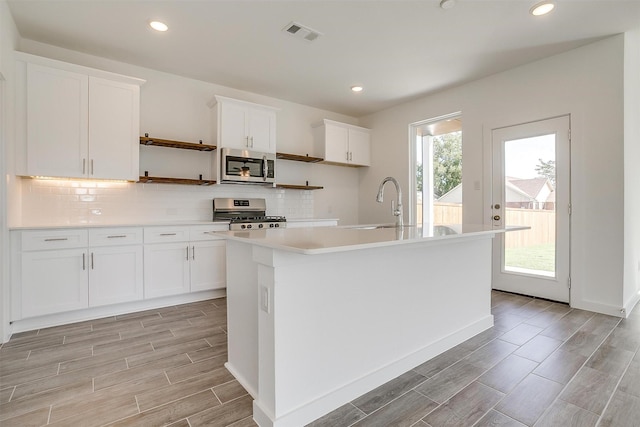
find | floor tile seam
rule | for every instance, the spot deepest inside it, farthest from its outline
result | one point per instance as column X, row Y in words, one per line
column 493, row 408
column 49, row 414
column 617, row 387
column 180, row 398
column 390, row 402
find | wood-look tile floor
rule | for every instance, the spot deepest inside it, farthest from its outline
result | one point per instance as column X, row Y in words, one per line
column 542, row 364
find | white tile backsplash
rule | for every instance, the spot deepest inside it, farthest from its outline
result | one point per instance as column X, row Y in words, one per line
column 68, row 202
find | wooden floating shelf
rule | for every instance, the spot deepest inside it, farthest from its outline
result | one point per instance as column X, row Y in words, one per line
column 182, row 181
column 299, row 187
column 298, row 158
column 156, row 142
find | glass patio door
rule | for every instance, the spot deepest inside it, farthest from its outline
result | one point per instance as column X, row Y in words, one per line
column 531, row 187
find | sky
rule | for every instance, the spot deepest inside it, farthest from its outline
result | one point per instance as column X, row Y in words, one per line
column 521, row 155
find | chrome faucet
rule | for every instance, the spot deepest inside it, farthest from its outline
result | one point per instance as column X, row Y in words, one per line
column 397, row 209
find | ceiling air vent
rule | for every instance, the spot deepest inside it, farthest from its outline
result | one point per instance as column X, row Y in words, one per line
column 301, row 31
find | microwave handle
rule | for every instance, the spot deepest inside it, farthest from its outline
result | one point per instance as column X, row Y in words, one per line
column 265, row 168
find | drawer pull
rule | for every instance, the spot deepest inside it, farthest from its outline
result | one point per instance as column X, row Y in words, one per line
column 58, row 239
column 120, row 236
column 167, row 234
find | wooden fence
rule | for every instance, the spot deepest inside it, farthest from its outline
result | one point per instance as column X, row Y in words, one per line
column 542, row 223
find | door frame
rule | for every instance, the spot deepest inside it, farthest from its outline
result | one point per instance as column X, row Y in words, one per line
column 489, row 157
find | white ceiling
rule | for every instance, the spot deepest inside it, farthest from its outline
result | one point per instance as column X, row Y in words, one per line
column 398, row 50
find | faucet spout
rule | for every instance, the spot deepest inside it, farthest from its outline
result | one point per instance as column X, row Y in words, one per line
column 397, row 209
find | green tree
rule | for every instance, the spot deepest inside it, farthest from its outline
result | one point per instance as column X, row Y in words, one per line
column 547, row 170
column 419, row 176
column 447, row 163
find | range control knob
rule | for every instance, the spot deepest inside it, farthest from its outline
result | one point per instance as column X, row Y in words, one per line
column 260, row 225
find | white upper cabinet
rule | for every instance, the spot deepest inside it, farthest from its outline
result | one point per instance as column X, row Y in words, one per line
column 57, row 122
column 114, row 124
column 244, row 125
column 78, row 122
column 343, row 143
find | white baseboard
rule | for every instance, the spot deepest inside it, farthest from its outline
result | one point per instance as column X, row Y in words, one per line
column 610, row 310
column 631, row 304
column 110, row 310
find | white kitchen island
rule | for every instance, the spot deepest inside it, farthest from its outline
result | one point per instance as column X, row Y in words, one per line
column 320, row 316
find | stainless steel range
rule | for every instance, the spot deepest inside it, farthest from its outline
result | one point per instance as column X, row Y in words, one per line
column 245, row 214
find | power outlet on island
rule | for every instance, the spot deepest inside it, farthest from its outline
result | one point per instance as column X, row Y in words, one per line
column 265, row 299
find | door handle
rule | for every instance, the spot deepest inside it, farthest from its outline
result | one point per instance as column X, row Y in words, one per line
column 496, row 217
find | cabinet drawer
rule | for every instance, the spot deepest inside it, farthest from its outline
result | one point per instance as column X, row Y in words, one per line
column 166, row 234
column 199, row 232
column 115, row 236
column 53, row 239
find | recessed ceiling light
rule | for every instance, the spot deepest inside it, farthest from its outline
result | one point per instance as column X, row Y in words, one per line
column 158, row 26
column 542, row 8
column 447, row 4
column 357, row 88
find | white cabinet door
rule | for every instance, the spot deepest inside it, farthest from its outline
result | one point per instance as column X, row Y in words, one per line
column 246, row 126
column 114, row 110
column 56, row 122
column 359, row 147
column 115, row 275
column 233, row 126
column 53, row 281
column 166, row 269
column 336, row 144
column 208, row 265
column 262, row 130
column 344, row 143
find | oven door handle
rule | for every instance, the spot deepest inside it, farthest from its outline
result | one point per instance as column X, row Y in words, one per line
column 265, row 168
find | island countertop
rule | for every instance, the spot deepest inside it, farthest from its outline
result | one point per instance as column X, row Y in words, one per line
column 311, row 241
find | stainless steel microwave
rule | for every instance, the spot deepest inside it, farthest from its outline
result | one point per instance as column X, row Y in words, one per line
column 247, row 167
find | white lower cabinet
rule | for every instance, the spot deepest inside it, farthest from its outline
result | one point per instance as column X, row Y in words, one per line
column 115, row 275
column 208, row 265
column 53, row 281
column 166, row 269
column 60, row 270
column 190, row 261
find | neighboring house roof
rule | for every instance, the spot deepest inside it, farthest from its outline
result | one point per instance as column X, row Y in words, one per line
column 533, row 186
column 532, row 189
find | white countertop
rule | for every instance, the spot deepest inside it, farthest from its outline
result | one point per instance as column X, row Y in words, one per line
column 119, row 224
column 146, row 224
column 310, row 241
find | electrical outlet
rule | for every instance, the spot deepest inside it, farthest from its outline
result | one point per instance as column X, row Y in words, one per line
column 265, row 299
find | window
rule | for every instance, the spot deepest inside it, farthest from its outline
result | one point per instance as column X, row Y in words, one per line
column 438, row 171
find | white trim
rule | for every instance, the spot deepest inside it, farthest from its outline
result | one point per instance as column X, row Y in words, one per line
column 112, row 310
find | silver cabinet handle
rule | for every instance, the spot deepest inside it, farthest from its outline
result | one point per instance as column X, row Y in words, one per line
column 350, row 155
column 92, row 261
column 247, row 138
column 91, row 166
column 119, row 236
column 193, row 252
column 251, row 142
column 57, row 239
column 347, row 153
column 187, row 252
column 84, row 165
column 167, row 234
column 84, row 266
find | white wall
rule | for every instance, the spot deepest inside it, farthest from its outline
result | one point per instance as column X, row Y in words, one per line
column 8, row 39
column 174, row 107
column 586, row 83
column 631, row 169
